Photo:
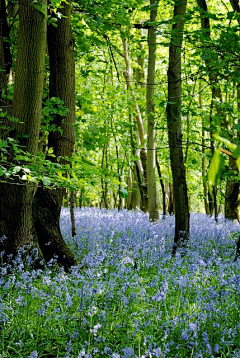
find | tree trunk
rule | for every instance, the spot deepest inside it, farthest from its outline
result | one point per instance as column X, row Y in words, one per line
column 141, row 136
column 135, row 194
column 47, row 203
column 72, row 205
column 233, row 187
column 170, row 199
column 174, row 127
column 16, row 198
column 130, row 189
column 216, row 99
column 205, row 188
column 3, row 67
column 5, row 54
column 232, row 194
column 162, row 187
column 151, row 139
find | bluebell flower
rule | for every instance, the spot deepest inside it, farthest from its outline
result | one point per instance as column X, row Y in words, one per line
column 34, row 354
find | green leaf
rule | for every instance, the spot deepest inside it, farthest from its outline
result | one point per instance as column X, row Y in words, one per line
column 229, row 144
column 74, row 176
column 216, row 169
column 46, row 181
column 2, row 171
column 123, row 193
column 236, row 153
column 16, row 169
column 238, row 163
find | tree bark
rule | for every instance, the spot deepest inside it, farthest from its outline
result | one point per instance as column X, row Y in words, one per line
column 3, row 67
column 5, row 54
column 47, row 203
column 162, row 187
column 232, row 194
column 16, row 198
column 151, row 139
column 141, row 135
column 231, row 188
column 174, row 127
column 205, row 188
column 72, row 206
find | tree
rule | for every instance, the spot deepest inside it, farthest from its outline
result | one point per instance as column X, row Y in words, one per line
column 141, row 135
column 174, row 126
column 151, row 138
column 3, row 72
column 16, row 197
column 48, row 202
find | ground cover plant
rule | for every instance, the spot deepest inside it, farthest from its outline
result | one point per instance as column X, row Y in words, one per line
column 128, row 297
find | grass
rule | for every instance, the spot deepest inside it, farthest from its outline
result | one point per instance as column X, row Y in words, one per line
column 133, row 299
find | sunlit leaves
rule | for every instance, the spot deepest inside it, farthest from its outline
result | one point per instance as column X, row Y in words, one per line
column 216, row 169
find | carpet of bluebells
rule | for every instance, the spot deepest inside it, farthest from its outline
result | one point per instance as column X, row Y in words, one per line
column 128, row 297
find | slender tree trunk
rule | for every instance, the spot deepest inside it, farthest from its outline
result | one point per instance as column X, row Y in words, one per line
column 162, row 187
column 151, row 139
column 16, row 198
column 232, row 192
column 140, row 129
column 104, row 184
column 130, row 189
column 135, row 202
column 72, row 205
column 213, row 201
column 174, row 127
column 205, row 188
column 47, row 203
column 120, row 199
column 137, row 196
column 170, row 199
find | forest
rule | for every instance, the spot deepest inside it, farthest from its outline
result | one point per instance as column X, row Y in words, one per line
column 119, row 178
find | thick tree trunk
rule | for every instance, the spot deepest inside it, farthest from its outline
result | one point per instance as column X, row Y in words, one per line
column 151, row 138
column 174, row 127
column 16, row 198
column 47, row 203
column 5, row 54
column 46, row 213
column 3, row 70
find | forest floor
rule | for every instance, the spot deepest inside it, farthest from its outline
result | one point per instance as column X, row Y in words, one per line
column 128, row 297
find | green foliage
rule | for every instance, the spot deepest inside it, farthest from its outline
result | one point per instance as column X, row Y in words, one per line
column 105, row 110
column 52, row 109
column 123, row 193
column 216, row 169
column 217, row 164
